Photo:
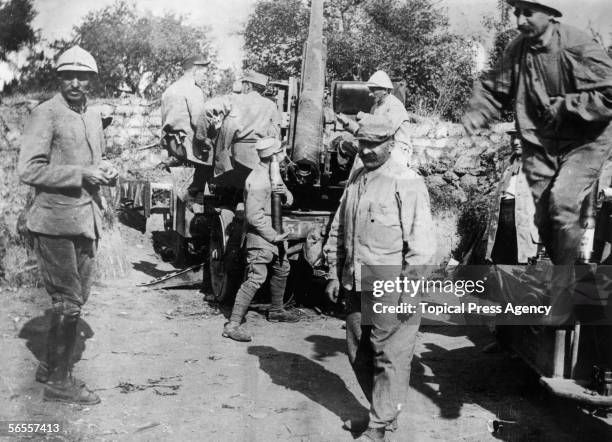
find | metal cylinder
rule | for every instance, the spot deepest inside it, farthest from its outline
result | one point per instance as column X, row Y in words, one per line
column 309, row 123
column 276, row 209
column 277, row 213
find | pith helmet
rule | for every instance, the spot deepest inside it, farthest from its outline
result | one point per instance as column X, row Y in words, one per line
column 255, row 77
column 266, row 147
column 380, row 79
column 76, row 59
column 551, row 5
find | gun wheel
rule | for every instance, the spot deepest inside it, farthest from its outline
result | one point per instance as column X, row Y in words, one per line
column 224, row 257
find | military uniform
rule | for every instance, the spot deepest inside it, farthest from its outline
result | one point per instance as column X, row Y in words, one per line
column 263, row 249
column 246, row 119
column 384, row 219
column 61, row 157
column 561, row 160
column 182, row 106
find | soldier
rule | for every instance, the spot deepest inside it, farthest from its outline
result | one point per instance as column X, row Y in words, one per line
column 511, row 236
column 384, row 219
column 182, row 105
column 387, row 109
column 560, row 82
column 61, row 157
column 264, row 246
column 242, row 119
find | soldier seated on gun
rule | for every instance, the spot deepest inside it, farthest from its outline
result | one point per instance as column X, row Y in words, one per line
column 265, row 246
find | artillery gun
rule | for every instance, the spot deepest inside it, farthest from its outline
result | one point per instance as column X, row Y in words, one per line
column 316, row 176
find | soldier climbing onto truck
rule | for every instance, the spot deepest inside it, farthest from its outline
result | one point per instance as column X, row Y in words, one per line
column 560, row 83
column 264, row 245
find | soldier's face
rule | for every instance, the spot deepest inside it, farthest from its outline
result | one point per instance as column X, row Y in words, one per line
column 74, row 85
column 200, row 75
column 379, row 94
column 531, row 21
column 374, row 155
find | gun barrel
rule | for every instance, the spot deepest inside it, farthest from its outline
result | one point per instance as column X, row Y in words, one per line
column 309, row 123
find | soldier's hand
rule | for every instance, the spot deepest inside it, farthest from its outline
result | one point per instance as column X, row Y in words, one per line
column 110, row 172
column 280, row 237
column 95, row 175
column 552, row 114
column 332, row 290
column 343, row 119
column 472, row 121
column 163, row 166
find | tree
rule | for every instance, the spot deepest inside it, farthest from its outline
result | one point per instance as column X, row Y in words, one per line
column 140, row 53
column 408, row 39
column 16, row 30
column 503, row 29
column 274, row 37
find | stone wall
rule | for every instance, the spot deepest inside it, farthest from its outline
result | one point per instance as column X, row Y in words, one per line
column 458, row 169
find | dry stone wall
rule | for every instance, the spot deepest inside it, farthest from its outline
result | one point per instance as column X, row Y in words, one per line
column 457, row 168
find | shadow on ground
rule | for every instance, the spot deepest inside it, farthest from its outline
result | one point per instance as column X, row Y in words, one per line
column 35, row 333
column 298, row 373
column 452, row 378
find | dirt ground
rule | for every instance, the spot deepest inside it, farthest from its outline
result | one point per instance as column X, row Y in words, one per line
column 164, row 372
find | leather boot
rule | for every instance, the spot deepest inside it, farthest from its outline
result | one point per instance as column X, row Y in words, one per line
column 61, row 386
column 50, row 360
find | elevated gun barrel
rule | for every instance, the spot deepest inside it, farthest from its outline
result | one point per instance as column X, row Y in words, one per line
column 308, row 143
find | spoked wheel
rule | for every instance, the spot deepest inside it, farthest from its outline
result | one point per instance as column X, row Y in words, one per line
column 224, row 256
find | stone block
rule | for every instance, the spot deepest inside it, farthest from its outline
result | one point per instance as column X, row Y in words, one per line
column 441, row 131
column 134, row 132
column 435, row 181
column 135, row 121
column 421, row 129
column 421, row 142
column 456, row 130
column 468, row 181
column 450, row 177
column 125, row 110
column 466, row 163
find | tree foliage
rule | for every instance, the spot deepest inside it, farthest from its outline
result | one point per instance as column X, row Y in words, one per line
column 140, row 52
column 408, row 39
column 15, row 25
column 503, row 29
column 274, row 37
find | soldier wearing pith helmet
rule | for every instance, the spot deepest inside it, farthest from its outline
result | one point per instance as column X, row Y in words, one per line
column 61, row 157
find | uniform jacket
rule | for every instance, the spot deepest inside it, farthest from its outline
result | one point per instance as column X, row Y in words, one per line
column 393, row 111
column 249, row 118
column 569, row 65
column 527, row 237
column 182, row 105
column 384, row 218
column 258, row 210
column 57, row 144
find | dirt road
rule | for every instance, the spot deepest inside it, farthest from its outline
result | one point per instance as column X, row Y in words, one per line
column 164, row 372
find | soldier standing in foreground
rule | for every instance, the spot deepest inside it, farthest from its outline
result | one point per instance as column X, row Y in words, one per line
column 384, row 219
column 61, row 157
